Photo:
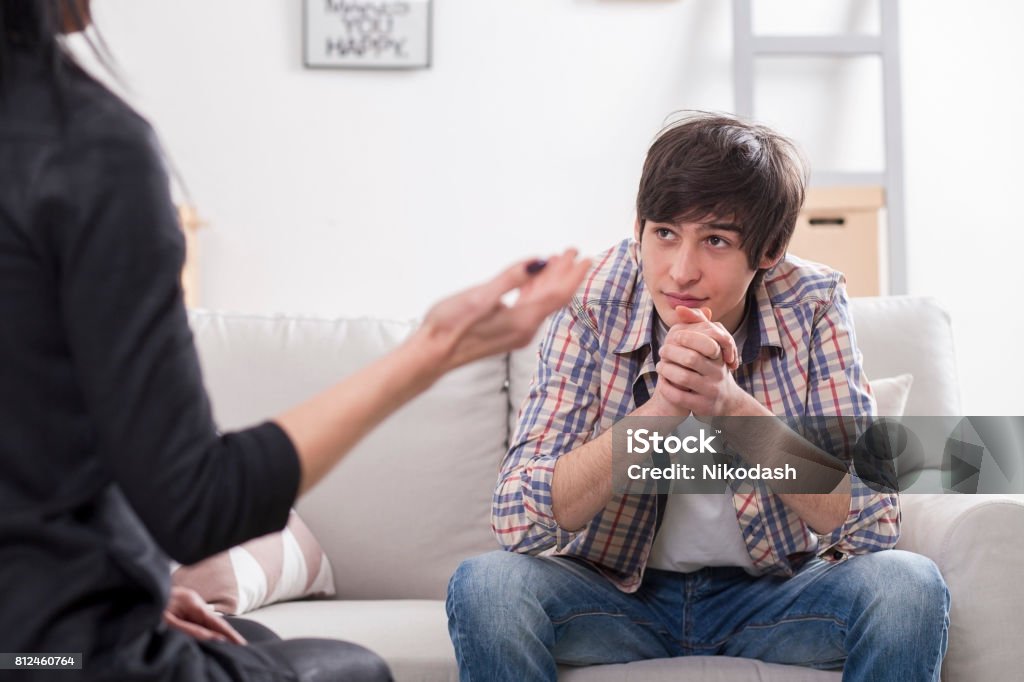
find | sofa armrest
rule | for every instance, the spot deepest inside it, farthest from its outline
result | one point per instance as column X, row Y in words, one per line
column 977, row 541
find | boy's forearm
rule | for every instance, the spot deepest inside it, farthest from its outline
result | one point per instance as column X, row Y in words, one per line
column 583, row 482
column 770, row 442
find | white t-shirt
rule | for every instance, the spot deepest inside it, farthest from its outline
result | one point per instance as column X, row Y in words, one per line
column 700, row 529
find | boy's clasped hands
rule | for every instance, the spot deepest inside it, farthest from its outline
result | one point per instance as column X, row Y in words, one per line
column 695, row 369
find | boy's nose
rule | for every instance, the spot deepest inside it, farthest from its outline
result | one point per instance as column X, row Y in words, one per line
column 685, row 268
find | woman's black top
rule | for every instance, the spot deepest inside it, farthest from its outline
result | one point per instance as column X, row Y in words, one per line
column 109, row 457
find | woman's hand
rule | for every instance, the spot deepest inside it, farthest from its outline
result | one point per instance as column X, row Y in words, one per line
column 188, row 612
column 476, row 323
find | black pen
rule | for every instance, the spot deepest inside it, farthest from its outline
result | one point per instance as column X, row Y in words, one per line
column 535, row 266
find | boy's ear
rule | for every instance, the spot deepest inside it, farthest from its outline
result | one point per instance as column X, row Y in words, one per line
column 768, row 262
column 637, row 228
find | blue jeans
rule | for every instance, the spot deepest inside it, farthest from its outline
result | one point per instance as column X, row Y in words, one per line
column 880, row 616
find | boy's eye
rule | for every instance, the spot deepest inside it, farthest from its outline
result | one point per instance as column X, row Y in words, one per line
column 663, row 232
column 715, row 240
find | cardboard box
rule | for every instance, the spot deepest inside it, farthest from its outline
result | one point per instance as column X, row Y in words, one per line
column 842, row 227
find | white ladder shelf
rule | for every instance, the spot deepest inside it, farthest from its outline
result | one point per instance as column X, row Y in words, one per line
column 747, row 47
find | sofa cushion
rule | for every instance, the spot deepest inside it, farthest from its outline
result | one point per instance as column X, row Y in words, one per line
column 701, row 668
column 891, row 394
column 413, row 498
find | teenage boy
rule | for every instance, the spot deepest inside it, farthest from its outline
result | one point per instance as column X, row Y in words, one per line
column 761, row 571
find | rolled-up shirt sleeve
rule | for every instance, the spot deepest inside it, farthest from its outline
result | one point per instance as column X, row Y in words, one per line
column 841, row 406
column 558, row 416
column 105, row 213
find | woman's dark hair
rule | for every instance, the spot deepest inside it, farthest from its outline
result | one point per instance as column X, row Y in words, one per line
column 37, row 27
column 713, row 165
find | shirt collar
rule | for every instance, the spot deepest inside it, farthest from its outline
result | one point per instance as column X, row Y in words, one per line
column 640, row 323
column 762, row 327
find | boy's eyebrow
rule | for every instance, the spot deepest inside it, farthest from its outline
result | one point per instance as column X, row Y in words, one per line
column 731, row 227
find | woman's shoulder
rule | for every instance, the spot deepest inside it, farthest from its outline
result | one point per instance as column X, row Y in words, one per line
column 100, row 135
column 45, row 105
column 97, row 112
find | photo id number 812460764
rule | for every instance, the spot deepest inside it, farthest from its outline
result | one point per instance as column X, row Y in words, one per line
column 38, row 661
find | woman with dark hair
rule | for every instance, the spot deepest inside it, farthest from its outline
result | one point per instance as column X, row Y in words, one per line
column 109, row 456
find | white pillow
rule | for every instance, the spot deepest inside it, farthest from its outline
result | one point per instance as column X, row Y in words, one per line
column 276, row 567
column 891, row 394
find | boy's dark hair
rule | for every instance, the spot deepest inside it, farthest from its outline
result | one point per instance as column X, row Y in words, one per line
column 713, row 165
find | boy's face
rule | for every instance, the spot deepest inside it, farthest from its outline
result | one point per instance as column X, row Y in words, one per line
column 697, row 265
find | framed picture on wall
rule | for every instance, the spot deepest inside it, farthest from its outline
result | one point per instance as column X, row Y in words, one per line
column 367, row 34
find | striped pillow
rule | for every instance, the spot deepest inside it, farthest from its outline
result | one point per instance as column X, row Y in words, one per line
column 276, row 567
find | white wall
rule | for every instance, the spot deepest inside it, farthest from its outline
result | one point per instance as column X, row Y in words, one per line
column 372, row 193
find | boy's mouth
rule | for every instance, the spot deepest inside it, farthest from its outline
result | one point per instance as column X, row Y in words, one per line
column 684, row 300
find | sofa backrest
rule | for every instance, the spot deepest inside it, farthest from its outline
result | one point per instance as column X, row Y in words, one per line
column 900, row 334
column 413, row 499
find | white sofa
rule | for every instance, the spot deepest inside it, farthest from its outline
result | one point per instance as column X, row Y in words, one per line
column 413, row 500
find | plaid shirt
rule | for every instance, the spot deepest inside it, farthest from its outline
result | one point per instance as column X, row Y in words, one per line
column 800, row 359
